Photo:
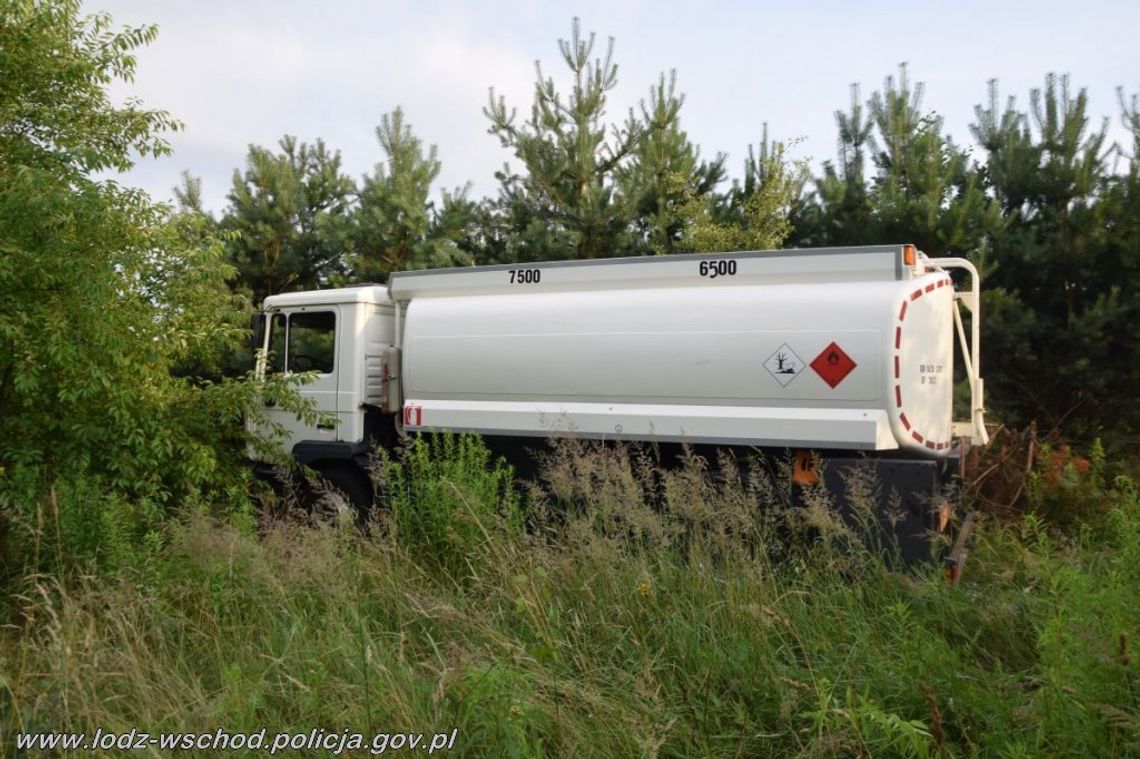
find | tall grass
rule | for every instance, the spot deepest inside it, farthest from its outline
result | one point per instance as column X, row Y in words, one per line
column 636, row 612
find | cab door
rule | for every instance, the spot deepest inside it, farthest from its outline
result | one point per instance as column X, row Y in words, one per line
column 305, row 340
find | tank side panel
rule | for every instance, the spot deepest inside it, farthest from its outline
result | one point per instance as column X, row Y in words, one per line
column 861, row 429
column 745, row 362
column 700, row 346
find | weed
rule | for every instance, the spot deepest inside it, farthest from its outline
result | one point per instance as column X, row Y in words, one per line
column 661, row 621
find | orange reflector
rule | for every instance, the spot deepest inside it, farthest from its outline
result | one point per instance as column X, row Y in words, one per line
column 803, row 473
column 909, row 255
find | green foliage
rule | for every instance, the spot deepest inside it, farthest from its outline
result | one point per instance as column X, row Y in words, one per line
column 588, row 189
column 1049, row 224
column 752, row 216
column 296, row 222
column 111, row 303
column 394, row 225
column 446, row 496
column 54, row 111
column 665, row 180
column 497, row 702
column 586, row 636
column 289, row 215
column 1070, row 490
column 569, row 160
column 858, row 723
column 839, row 211
column 923, row 189
column 1063, row 260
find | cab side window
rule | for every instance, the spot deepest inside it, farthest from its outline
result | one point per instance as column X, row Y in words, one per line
column 312, row 342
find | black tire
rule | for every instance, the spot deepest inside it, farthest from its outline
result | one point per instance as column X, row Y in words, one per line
column 351, row 482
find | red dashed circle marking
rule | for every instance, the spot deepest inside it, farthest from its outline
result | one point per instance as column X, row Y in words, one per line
column 934, row 446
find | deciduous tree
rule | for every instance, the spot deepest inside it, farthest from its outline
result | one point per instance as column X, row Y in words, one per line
column 105, row 294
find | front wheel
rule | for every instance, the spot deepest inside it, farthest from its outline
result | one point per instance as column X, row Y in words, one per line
column 351, row 482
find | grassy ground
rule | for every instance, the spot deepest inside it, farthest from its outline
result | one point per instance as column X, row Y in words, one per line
column 597, row 620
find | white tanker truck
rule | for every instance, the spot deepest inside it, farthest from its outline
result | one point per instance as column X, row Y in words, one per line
column 844, row 353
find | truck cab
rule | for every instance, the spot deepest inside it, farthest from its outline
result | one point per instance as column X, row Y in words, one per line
column 345, row 339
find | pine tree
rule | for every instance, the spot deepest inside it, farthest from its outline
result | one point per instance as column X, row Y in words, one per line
column 289, row 212
column 839, row 211
column 570, row 163
column 665, row 174
column 1062, row 302
column 395, row 225
column 923, row 188
column 188, row 196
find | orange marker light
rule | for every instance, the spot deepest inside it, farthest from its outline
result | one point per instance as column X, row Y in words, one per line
column 908, row 255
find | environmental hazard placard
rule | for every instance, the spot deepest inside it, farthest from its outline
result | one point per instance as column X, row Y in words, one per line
column 784, row 365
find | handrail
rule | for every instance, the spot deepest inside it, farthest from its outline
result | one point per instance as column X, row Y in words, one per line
column 971, row 350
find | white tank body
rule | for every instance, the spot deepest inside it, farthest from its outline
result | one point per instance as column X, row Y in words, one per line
column 844, row 348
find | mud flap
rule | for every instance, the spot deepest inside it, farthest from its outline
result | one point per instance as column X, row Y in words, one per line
column 897, row 506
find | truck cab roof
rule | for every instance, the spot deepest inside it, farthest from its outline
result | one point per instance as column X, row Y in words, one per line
column 365, row 293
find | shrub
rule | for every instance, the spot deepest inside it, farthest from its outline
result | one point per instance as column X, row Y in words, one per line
column 447, row 499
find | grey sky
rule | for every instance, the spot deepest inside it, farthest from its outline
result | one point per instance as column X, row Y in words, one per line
column 240, row 73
